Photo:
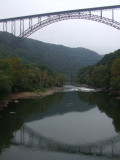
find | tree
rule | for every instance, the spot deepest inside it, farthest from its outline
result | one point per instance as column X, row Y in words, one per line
column 59, row 79
column 21, row 75
column 115, row 73
column 6, row 73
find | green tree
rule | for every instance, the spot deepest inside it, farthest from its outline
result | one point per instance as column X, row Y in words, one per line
column 115, row 73
column 21, row 75
column 6, row 73
column 59, row 79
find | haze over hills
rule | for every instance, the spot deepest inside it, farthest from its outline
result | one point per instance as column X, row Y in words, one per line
column 57, row 57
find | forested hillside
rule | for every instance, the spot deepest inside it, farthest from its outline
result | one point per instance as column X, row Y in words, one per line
column 105, row 74
column 17, row 77
column 57, row 57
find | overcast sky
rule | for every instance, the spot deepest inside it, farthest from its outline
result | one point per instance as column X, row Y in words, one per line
column 73, row 33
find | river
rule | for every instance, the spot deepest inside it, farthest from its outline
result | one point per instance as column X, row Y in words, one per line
column 78, row 123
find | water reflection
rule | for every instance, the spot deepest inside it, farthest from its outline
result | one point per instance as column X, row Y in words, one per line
column 9, row 123
column 80, row 117
column 69, row 103
column 73, row 120
column 31, row 139
column 107, row 104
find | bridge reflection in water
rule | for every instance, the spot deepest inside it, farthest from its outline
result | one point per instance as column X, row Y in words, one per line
column 30, row 138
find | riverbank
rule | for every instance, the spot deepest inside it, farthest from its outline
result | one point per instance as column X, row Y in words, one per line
column 109, row 91
column 27, row 95
column 115, row 93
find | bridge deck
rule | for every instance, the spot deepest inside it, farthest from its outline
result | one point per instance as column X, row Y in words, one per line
column 61, row 12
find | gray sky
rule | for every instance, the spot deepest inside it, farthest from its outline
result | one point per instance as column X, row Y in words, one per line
column 73, row 33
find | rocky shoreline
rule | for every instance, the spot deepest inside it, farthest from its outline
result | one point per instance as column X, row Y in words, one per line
column 27, row 95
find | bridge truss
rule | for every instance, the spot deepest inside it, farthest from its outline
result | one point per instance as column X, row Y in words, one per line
column 23, row 27
column 30, row 138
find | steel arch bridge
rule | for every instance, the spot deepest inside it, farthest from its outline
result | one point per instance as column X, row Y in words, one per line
column 23, row 27
column 30, row 138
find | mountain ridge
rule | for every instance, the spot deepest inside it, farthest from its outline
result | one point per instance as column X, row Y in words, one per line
column 60, row 58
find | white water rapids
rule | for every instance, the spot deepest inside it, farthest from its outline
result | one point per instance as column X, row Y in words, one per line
column 69, row 88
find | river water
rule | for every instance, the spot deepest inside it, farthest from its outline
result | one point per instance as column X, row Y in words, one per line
column 79, row 124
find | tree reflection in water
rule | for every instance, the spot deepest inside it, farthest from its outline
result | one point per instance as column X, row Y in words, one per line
column 26, row 109
column 107, row 104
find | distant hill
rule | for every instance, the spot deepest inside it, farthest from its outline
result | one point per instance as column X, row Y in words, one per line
column 104, row 74
column 108, row 59
column 57, row 57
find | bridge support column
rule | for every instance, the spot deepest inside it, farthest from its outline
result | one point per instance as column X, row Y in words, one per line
column 101, row 14
column 112, row 148
column 101, row 150
column 4, row 26
column 112, row 14
column 90, row 150
column 14, row 136
column 13, row 28
column 22, row 135
column 39, row 20
column 21, row 26
column 31, row 139
column 30, row 23
column 4, row 39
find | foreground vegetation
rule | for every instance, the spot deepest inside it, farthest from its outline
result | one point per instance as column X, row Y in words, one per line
column 17, row 77
column 105, row 74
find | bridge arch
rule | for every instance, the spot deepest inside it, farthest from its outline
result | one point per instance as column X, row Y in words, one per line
column 68, row 16
column 50, row 18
